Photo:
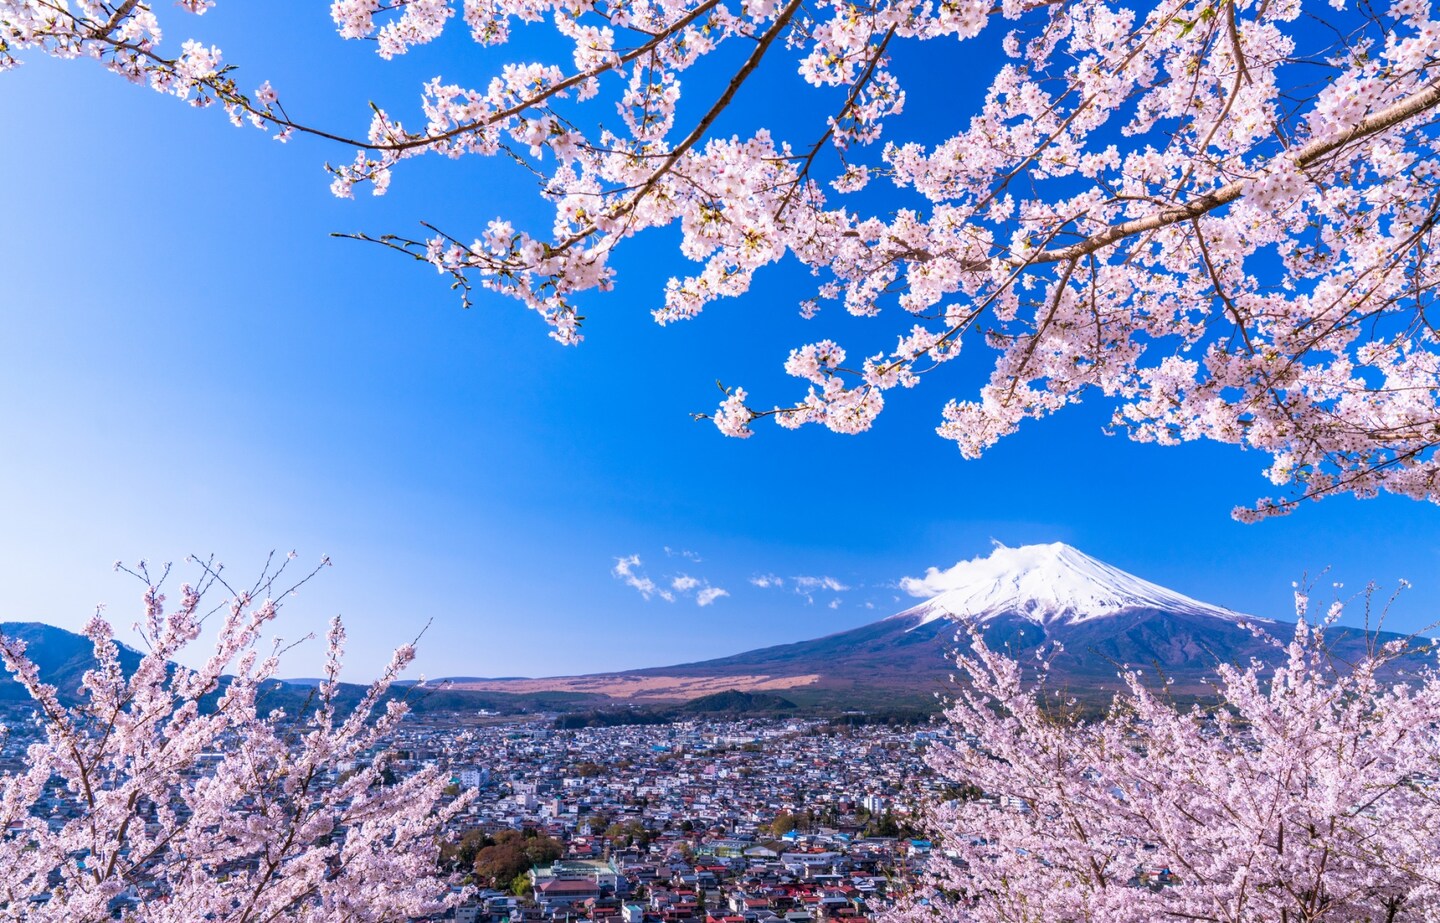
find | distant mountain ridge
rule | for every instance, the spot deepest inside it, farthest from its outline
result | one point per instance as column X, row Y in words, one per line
column 63, row 657
column 1020, row 599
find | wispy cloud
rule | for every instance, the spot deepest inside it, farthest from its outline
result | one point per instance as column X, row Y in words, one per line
column 766, row 581
column 627, row 569
column 682, row 553
column 835, row 603
column 805, row 584
column 670, row 587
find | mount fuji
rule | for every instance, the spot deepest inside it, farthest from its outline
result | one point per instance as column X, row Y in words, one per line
column 1022, row 600
column 1048, row 584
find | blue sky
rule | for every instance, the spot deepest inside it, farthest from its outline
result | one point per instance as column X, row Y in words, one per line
column 189, row 363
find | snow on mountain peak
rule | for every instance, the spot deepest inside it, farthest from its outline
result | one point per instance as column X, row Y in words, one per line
column 1045, row 583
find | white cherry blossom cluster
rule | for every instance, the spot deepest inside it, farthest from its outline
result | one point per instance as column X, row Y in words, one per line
column 183, row 794
column 1216, row 215
column 1306, row 791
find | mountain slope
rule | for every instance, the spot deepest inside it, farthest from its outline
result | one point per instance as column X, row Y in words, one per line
column 62, row 656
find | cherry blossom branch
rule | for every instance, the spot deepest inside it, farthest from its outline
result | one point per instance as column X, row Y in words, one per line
column 1305, row 156
column 1237, row 197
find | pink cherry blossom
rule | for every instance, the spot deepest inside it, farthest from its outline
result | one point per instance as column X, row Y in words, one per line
column 1305, row 791
column 1217, row 218
column 184, row 792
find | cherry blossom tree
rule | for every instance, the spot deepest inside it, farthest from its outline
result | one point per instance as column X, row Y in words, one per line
column 176, row 794
column 1217, row 214
column 1308, row 793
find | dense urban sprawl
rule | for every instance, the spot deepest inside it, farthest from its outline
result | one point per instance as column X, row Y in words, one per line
column 711, row 822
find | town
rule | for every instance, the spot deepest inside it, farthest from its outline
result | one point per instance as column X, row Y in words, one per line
column 741, row 821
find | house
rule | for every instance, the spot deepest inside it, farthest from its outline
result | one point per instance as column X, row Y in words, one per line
column 605, row 875
column 565, row 892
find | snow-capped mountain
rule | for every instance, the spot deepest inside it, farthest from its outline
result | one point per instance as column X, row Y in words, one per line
column 1022, row 600
column 1046, row 584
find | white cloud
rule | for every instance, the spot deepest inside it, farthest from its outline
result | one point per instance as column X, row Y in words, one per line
column 835, row 603
column 923, row 587
column 766, row 581
column 625, row 569
column 810, row 584
column 937, row 581
column 669, row 587
column 681, row 553
column 982, row 568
